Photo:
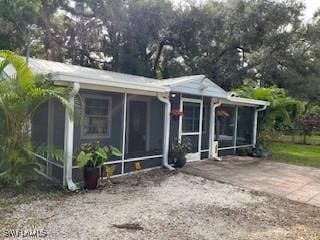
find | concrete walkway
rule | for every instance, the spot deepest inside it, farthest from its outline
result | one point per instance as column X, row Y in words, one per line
column 298, row 183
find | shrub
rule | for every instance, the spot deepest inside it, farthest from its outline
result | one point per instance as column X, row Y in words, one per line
column 21, row 94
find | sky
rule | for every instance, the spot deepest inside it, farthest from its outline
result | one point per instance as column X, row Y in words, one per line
column 312, row 6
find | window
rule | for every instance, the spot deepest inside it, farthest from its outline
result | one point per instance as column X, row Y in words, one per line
column 191, row 117
column 245, row 125
column 225, row 122
column 96, row 121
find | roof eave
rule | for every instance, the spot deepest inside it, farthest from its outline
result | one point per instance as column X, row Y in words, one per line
column 62, row 78
column 248, row 101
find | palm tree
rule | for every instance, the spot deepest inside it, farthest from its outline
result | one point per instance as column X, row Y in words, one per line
column 21, row 94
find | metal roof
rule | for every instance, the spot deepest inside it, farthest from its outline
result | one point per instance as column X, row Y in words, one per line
column 63, row 73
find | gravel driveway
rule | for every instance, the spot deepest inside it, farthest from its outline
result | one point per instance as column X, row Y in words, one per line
column 163, row 205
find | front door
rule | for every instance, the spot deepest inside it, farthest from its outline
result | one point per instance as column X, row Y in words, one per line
column 137, row 127
column 191, row 126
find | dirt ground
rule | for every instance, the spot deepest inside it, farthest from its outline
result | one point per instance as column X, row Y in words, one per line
column 160, row 205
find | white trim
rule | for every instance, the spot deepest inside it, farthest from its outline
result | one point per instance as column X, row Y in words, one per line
column 255, row 124
column 193, row 100
column 148, row 101
column 128, row 160
column 235, row 130
column 124, row 130
column 244, row 101
column 68, row 140
column 108, row 117
column 213, row 107
column 234, row 147
column 143, row 158
column 197, row 155
column 166, row 131
column 48, row 161
column 189, row 133
column 205, row 150
column 180, row 119
column 200, row 125
column 63, row 78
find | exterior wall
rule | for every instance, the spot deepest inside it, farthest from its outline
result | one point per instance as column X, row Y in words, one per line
column 115, row 137
column 155, row 120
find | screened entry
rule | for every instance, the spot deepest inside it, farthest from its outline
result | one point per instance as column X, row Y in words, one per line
column 234, row 127
column 190, row 126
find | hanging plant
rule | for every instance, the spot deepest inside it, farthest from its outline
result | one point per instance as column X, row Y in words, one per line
column 176, row 113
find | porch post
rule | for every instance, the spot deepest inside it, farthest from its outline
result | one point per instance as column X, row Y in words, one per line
column 68, row 139
column 255, row 124
column 235, row 130
column 213, row 107
column 200, row 126
column 166, row 130
column 124, row 131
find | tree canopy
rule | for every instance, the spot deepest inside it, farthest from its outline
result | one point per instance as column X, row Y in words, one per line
column 263, row 42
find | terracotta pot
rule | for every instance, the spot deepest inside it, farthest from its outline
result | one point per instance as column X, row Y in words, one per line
column 91, row 176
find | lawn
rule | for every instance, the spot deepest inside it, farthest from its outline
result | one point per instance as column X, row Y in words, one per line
column 308, row 155
column 313, row 140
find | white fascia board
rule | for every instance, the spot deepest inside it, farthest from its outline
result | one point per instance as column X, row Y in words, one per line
column 246, row 101
column 84, row 80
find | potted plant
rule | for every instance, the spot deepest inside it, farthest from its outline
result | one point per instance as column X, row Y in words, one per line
column 179, row 150
column 91, row 158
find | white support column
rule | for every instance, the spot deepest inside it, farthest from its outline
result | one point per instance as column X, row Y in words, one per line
column 68, row 139
column 200, row 126
column 213, row 107
column 166, row 131
column 180, row 118
column 124, row 131
column 255, row 125
column 235, row 131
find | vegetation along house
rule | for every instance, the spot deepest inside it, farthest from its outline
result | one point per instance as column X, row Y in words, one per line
column 142, row 117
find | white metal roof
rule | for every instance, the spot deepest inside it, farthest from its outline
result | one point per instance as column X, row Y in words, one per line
column 245, row 101
column 63, row 73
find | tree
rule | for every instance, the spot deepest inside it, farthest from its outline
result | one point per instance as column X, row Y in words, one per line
column 282, row 114
column 307, row 124
column 21, row 94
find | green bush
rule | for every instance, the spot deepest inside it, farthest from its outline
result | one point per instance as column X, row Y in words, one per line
column 282, row 114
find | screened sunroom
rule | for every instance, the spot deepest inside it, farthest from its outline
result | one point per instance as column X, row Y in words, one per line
column 137, row 115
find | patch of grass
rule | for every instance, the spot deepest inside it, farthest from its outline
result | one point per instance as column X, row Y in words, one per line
column 312, row 140
column 307, row 155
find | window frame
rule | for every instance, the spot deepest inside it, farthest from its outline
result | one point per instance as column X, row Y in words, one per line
column 193, row 119
column 83, row 135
